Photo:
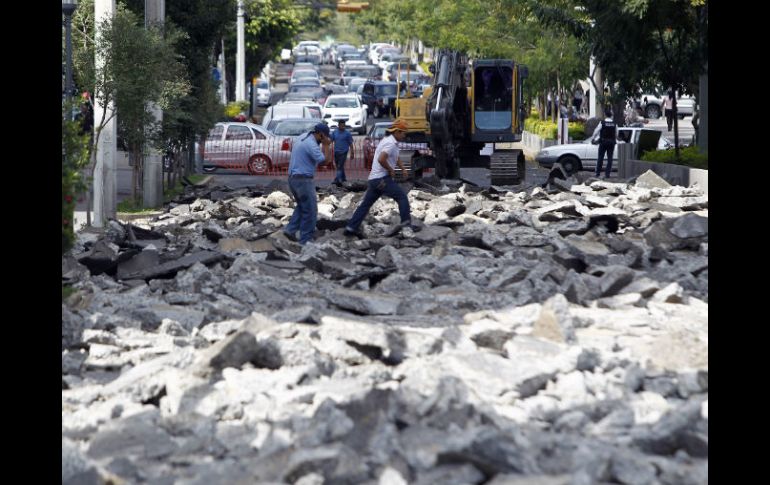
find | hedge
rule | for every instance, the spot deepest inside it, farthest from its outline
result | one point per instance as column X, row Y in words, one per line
column 549, row 130
column 689, row 156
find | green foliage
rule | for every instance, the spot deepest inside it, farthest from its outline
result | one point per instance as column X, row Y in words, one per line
column 549, row 130
column 75, row 156
column 234, row 108
column 271, row 25
column 689, row 156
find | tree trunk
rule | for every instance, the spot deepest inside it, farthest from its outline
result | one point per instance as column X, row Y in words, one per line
column 703, row 112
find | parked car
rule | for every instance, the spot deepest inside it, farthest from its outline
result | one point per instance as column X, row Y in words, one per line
column 583, row 155
column 291, row 126
column 263, row 93
column 651, row 105
column 348, row 107
column 380, row 97
column 377, row 133
column 288, row 110
column 244, row 146
column 285, row 56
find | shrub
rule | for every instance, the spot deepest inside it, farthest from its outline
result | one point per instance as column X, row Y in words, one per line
column 74, row 157
column 233, row 109
column 689, row 156
column 549, row 130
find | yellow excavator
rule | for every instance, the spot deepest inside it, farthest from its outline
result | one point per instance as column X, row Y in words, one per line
column 469, row 104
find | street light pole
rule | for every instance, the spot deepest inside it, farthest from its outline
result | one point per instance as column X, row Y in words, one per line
column 68, row 8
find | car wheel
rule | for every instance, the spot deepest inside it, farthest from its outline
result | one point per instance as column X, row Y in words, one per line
column 652, row 111
column 259, row 165
column 680, row 116
column 570, row 164
column 377, row 112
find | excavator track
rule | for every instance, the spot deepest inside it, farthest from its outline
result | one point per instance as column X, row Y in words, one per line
column 507, row 167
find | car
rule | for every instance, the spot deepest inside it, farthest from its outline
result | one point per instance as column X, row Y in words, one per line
column 341, row 50
column 346, row 106
column 314, row 93
column 380, row 97
column 366, row 71
column 244, row 146
column 285, row 56
column 355, row 83
column 651, row 104
column 291, row 126
column 289, row 110
column 377, row 133
column 583, row 155
column 304, row 66
column 262, row 93
column 389, row 55
column 303, row 75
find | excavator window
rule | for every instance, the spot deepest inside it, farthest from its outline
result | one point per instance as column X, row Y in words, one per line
column 493, row 97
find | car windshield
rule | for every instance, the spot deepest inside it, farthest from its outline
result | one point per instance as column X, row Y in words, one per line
column 262, row 85
column 293, row 128
column 379, row 131
column 386, row 89
column 341, row 103
column 354, row 85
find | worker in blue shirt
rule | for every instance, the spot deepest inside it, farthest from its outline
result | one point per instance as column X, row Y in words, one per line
column 343, row 140
column 306, row 155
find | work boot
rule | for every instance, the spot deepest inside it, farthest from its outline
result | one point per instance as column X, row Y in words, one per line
column 350, row 233
column 290, row 237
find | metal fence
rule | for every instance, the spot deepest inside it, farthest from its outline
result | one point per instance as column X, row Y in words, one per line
column 271, row 156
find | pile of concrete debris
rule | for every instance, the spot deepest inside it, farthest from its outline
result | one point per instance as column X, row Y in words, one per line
column 548, row 337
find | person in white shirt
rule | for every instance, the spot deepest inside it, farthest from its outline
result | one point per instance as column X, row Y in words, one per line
column 668, row 106
column 381, row 180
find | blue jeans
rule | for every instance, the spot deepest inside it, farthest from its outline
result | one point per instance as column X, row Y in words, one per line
column 339, row 161
column 608, row 148
column 377, row 188
column 306, row 212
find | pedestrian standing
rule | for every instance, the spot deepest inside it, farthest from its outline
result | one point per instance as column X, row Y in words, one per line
column 343, row 140
column 381, row 180
column 577, row 100
column 305, row 157
column 668, row 106
column 605, row 133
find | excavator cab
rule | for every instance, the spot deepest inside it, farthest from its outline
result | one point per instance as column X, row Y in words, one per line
column 493, row 98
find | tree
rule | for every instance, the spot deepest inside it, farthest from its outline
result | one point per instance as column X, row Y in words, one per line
column 638, row 43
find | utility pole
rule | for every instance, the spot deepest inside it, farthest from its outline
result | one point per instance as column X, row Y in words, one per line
column 240, row 63
column 152, row 169
column 105, row 176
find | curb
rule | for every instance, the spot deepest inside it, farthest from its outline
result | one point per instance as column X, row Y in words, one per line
column 130, row 216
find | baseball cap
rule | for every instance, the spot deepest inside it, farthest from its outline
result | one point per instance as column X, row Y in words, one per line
column 321, row 128
column 398, row 125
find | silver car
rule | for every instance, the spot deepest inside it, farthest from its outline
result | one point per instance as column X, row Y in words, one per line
column 245, row 146
column 583, row 155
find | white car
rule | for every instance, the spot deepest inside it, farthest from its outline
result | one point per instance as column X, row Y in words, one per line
column 583, row 155
column 280, row 111
column 652, row 105
column 346, row 106
column 262, row 95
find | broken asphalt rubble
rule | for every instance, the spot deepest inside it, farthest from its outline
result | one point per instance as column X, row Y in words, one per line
column 539, row 336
